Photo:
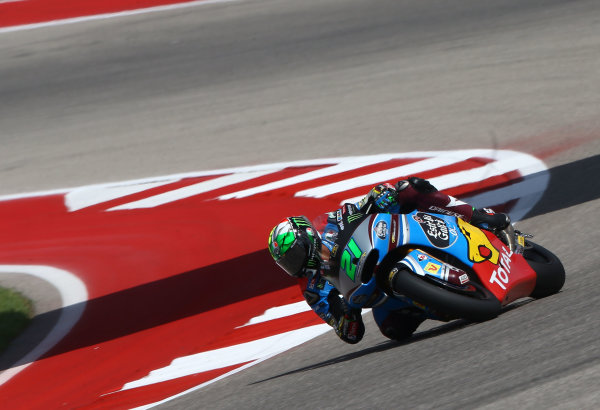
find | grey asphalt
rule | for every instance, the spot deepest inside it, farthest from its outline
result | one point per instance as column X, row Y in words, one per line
column 258, row 81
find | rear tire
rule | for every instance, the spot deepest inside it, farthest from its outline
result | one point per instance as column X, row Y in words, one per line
column 475, row 309
column 548, row 268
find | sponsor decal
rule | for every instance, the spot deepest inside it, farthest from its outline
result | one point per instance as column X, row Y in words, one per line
column 433, row 268
column 439, row 210
column 435, row 229
column 381, row 230
column 339, row 219
column 480, row 249
column 500, row 276
column 330, row 235
column 354, row 217
column 464, row 278
column 334, row 250
column 394, row 223
column 452, row 230
column 421, row 257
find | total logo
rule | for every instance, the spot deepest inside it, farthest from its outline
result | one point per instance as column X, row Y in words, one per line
column 500, row 276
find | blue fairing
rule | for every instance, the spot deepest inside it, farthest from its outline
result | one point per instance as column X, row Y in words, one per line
column 385, row 232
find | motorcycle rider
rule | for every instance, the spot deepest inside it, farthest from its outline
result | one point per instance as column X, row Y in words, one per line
column 308, row 253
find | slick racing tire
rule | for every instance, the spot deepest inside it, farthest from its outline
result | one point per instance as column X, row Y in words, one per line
column 479, row 307
column 548, row 268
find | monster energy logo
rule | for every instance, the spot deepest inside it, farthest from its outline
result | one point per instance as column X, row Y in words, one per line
column 312, row 264
column 354, row 217
column 299, row 222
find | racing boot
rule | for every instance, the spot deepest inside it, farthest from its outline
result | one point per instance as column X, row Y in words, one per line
column 487, row 219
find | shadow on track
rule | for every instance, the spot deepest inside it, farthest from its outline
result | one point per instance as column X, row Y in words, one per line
column 570, row 184
column 392, row 344
column 156, row 303
column 381, row 347
column 190, row 293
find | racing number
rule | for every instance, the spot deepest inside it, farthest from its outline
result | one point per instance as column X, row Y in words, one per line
column 346, row 263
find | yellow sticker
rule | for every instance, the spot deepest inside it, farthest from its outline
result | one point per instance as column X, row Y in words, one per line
column 432, row 268
column 480, row 247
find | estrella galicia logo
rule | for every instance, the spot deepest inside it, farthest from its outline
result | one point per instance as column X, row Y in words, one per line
column 381, row 230
column 436, row 230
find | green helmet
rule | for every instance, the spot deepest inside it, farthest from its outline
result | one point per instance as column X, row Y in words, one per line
column 295, row 245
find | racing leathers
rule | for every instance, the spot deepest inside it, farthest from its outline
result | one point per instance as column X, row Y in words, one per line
column 406, row 196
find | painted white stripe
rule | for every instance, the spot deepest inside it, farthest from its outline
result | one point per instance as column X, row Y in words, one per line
column 279, row 312
column 113, row 15
column 319, row 173
column 509, row 161
column 172, row 177
column 188, row 191
column 183, row 393
column 92, row 195
column 74, row 297
column 228, row 356
column 506, row 161
column 379, row 176
column 535, row 187
column 463, row 154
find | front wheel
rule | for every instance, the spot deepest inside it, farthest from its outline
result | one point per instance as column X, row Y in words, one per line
column 477, row 306
column 548, row 268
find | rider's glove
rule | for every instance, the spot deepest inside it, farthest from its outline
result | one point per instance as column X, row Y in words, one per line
column 350, row 327
column 385, row 197
column 487, row 219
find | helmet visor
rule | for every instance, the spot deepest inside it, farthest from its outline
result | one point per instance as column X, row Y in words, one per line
column 294, row 259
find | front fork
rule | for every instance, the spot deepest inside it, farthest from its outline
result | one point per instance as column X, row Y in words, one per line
column 515, row 240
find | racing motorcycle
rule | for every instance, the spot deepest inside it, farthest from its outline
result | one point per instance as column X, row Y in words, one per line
column 443, row 264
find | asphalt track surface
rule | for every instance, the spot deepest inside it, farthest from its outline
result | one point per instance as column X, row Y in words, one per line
column 252, row 82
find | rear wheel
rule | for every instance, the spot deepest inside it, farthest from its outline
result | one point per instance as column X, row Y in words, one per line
column 476, row 304
column 550, row 271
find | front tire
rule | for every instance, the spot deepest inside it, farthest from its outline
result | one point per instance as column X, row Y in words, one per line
column 548, row 268
column 479, row 307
